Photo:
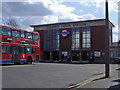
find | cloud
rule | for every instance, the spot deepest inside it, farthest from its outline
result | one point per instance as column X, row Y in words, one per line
column 81, row 11
column 50, row 19
column 113, row 4
column 74, row 17
column 24, row 9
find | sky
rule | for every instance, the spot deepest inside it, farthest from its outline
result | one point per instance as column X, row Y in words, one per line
column 36, row 12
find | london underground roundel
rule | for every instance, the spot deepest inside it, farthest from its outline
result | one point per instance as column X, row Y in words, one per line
column 64, row 33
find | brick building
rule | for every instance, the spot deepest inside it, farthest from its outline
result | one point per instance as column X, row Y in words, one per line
column 82, row 40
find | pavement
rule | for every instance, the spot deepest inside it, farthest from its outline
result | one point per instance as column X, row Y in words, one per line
column 100, row 82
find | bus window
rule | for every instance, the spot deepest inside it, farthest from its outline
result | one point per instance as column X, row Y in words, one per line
column 6, row 31
column 23, row 34
column 28, row 50
column 35, row 36
column 5, row 49
column 22, row 50
column 15, row 33
column 0, row 30
column 28, row 35
column 0, row 48
column 34, row 49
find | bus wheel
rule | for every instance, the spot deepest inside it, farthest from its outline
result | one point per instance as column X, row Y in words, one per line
column 29, row 60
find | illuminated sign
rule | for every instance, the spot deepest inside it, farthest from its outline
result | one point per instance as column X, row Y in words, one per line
column 64, row 33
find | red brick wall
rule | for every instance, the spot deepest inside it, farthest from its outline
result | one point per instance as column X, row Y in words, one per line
column 65, row 43
column 98, row 40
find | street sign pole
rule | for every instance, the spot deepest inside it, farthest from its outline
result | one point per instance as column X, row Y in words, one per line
column 106, row 40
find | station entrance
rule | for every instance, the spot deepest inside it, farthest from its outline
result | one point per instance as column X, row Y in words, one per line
column 55, row 55
column 75, row 56
column 46, row 55
column 85, row 55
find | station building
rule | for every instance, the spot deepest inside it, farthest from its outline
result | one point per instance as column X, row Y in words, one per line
column 82, row 40
column 115, row 50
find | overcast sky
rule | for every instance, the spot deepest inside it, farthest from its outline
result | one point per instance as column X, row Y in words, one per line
column 36, row 12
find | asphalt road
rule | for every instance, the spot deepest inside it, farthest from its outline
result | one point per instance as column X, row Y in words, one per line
column 49, row 75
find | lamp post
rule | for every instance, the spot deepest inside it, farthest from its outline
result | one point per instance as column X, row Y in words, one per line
column 106, row 40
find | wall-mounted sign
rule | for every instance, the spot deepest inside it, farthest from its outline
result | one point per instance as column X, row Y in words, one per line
column 64, row 33
column 97, row 54
column 65, row 53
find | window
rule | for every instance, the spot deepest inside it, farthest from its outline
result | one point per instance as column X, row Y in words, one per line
column 34, row 49
column 5, row 49
column 6, row 31
column 35, row 36
column 86, row 39
column 46, row 40
column 0, row 48
column 22, row 50
column 28, row 50
column 55, row 40
column 0, row 30
column 15, row 33
column 23, row 34
column 75, row 38
column 29, row 35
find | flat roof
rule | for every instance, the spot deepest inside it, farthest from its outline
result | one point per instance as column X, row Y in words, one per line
column 71, row 22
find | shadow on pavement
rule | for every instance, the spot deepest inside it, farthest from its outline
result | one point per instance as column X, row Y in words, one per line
column 115, row 87
column 100, row 78
column 98, row 73
column 118, row 69
column 15, row 64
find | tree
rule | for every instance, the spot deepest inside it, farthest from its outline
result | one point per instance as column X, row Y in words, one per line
column 12, row 22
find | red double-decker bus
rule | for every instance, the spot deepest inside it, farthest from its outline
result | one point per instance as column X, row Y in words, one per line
column 18, row 45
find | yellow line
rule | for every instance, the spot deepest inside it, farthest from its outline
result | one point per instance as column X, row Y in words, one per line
column 85, row 82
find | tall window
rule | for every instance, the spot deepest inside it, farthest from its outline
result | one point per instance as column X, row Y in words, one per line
column 75, row 39
column 55, row 40
column 86, row 38
column 46, row 41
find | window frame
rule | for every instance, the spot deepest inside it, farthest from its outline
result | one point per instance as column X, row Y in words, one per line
column 26, row 35
column 14, row 30
column 3, row 29
column 8, row 49
column 34, row 34
column 22, row 33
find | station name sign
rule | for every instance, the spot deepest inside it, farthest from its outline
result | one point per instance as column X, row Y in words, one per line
column 69, row 25
column 59, row 26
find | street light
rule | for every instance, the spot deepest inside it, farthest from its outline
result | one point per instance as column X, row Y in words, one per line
column 106, row 40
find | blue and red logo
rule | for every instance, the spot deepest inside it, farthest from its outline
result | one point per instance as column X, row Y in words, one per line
column 64, row 33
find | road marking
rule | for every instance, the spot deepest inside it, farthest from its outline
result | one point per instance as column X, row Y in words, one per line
column 85, row 82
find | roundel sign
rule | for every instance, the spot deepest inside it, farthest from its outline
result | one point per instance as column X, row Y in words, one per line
column 64, row 33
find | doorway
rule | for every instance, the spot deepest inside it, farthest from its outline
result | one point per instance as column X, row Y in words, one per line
column 46, row 55
column 15, row 54
column 75, row 55
column 55, row 55
column 85, row 55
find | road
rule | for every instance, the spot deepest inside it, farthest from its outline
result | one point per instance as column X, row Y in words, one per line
column 49, row 75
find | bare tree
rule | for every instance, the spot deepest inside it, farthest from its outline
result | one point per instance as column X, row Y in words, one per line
column 12, row 22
